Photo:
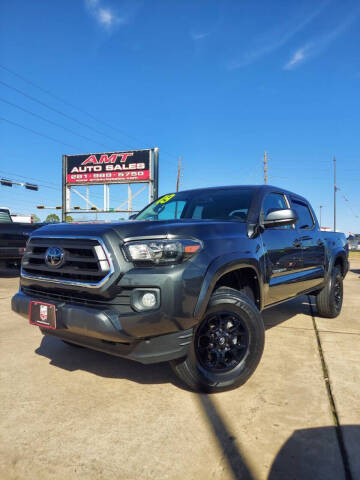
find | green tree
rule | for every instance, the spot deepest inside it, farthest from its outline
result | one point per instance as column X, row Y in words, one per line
column 52, row 218
column 35, row 218
column 69, row 219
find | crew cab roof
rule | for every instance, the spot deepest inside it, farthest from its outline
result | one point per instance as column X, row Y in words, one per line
column 259, row 188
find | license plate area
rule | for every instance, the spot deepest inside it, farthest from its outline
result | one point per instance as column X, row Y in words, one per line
column 42, row 314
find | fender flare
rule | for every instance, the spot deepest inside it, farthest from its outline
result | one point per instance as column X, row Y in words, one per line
column 339, row 253
column 219, row 267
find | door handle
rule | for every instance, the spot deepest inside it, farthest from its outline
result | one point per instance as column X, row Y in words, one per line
column 297, row 243
column 306, row 237
column 320, row 243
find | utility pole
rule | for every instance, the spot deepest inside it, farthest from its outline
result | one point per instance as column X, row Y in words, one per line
column 265, row 168
column 178, row 174
column 130, row 199
column 335, row 188
column 320, row 207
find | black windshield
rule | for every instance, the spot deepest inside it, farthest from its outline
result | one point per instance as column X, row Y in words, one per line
column 222, row 204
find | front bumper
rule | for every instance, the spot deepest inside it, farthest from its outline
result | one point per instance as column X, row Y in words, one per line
column 108, row 331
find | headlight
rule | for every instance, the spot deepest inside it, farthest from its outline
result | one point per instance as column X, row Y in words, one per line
column 162, row 251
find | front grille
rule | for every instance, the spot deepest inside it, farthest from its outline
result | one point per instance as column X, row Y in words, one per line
column 85, row 261
column 13, row 240
column 35, row 291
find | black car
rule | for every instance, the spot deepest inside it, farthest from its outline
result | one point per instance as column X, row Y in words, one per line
column 186, row 281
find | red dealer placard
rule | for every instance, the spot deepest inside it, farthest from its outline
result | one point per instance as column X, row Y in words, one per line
column 108, row 177
column 102, row 168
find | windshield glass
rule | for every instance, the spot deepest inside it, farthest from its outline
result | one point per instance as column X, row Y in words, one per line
column 5, row 216
column 229, row 204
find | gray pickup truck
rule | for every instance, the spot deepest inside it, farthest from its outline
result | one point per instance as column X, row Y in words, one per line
column 185, row 281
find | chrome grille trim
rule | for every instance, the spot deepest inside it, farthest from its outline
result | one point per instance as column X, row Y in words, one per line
column 77, row 283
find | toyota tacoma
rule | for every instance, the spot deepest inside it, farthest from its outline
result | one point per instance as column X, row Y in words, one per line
column 185, row 281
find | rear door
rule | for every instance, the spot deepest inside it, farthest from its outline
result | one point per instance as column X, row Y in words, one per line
column 283, row 257
column 310, row 239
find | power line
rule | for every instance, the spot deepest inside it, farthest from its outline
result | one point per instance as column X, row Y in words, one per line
column 65, row 102
column 23, row 176
column 38, row 133
column 59, row 112
column 348, row 203
column 49, row 121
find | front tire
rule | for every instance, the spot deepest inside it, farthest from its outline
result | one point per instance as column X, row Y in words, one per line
column 329, row 299
column 227, row 345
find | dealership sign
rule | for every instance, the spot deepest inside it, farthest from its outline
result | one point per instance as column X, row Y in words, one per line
column 103, row 168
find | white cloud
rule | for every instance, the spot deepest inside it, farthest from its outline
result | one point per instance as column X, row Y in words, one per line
column 105, row 16
column 199, row 35
column 299, row 56
column 276, row 38
column 320, row 43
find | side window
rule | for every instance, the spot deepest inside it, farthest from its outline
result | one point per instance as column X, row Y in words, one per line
column 198, row 211
column 275, row 201
column 306, row 220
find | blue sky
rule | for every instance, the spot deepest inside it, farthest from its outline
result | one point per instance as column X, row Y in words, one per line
column 217, row 82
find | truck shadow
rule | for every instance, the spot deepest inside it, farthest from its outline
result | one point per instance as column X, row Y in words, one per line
column 314, row 453
column 278, row 314
column 72, row 358
column 319, row 453
column 354, row 270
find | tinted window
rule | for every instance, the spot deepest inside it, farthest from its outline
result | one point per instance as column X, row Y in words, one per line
column 303, row 212
column 275, row 201
column 171, row 211
column 222, row 204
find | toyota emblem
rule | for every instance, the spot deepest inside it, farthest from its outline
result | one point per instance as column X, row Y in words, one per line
column 54, row 257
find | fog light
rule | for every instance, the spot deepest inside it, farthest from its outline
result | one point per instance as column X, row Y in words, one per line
column 143, row 299
column 148, row 300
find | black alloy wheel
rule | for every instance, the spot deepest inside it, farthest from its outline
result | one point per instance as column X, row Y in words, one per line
column 227, row 344
column 338, row 293
column 329, row 299
column 221, row 341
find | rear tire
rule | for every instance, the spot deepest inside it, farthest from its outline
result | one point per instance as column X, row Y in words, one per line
column 227, row 344
column 329, row 299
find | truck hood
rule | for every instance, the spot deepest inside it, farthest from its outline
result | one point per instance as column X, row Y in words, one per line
column 18, row 228
column 140, row 228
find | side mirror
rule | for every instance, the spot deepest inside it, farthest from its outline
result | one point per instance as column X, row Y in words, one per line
column 132, row 216
column 277, row 218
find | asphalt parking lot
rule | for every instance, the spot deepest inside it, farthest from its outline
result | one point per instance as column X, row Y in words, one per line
column 72, row 413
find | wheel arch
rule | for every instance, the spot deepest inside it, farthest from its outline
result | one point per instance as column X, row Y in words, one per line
column 339, row 259
column 223, row 272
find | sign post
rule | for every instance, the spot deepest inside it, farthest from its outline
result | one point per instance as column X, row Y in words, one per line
column 128, row 167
